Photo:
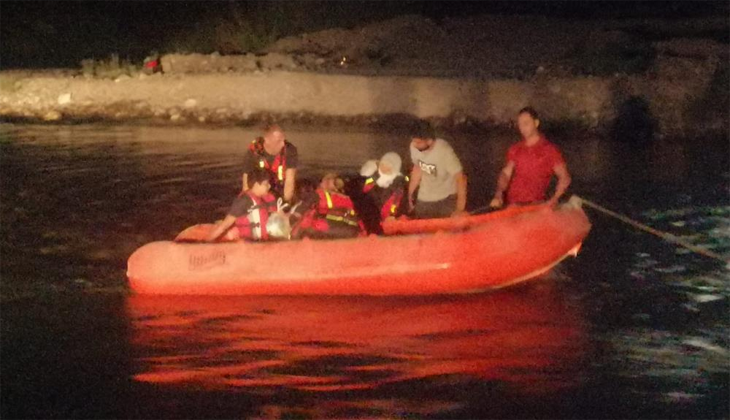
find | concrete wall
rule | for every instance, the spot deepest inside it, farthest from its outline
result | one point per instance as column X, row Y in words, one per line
column 672, row 92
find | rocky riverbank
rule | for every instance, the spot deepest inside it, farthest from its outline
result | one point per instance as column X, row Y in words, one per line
column 411, row 67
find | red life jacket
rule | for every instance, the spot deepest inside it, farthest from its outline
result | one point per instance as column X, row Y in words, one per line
column 370, row 183
column 336, row 207
column 276, row 169
column 332, row 208
column 253, row 225
column 392, row 203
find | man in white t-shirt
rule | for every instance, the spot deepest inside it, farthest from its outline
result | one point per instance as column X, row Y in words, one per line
column 438, row 175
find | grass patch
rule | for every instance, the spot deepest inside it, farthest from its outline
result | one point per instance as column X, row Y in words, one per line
column 109, row 68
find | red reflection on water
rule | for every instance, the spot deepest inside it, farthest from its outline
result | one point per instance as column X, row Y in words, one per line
column 527, row 337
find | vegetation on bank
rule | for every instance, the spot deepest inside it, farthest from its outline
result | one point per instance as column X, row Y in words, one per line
column 109, row 68
column 108, row 38
column 48, row 34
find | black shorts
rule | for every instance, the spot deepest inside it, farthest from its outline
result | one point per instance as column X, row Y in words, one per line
column 435, row 209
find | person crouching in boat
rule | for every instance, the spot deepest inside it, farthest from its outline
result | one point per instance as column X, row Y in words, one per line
column 327, row 213
column 384, row 184
column 531, row 164
column 249, row 212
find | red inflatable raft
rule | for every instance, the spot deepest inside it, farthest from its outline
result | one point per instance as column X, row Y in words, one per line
column 456, row 255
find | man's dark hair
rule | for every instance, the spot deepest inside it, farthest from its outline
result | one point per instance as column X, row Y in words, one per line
column 257, row 175
column 529, row 110
column 271, row 127
column 423, row 130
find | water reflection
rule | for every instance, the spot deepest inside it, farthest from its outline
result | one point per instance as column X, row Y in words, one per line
column 76, row 201
column 528, row 340
column 592, row 160
column 669, row 162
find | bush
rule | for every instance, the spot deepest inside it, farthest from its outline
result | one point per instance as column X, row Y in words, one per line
column 110, row 68
column 604, row 53
column 236, row 33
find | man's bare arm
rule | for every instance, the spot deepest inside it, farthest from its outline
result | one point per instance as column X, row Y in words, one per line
column 289, row 184
column 502, row 184
column 221, row 228
column 564, row 180
column 413, row 184
column 461, row 183
column 244, row 182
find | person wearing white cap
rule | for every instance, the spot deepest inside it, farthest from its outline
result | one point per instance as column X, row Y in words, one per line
column 385, row 184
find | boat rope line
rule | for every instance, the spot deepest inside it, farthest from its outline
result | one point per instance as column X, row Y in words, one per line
column 481, row 210
column 664, row 235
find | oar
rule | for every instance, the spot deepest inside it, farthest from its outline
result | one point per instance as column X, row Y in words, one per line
column 656, row 232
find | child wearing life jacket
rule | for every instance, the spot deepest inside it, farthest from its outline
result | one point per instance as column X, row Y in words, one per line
column 249, row 212
column 384, row 184
column 327, row 213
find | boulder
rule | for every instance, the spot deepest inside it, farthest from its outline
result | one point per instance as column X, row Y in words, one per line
column 277, row 61
column 693, row 48
column 52, row 116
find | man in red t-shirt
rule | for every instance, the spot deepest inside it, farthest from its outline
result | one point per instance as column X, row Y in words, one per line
column 530, row 166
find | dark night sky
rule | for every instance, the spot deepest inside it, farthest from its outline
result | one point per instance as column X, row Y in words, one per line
column 61, row 33
column 133, row 12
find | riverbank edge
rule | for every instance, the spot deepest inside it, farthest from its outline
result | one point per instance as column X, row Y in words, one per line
column 660, row 103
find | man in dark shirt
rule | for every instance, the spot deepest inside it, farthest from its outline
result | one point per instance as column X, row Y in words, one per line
column 278, row 157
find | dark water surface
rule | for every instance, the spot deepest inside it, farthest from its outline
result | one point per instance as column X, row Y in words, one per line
column 633, row 327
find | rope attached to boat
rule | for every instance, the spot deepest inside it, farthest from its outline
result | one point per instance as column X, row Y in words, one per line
column 664, row 235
